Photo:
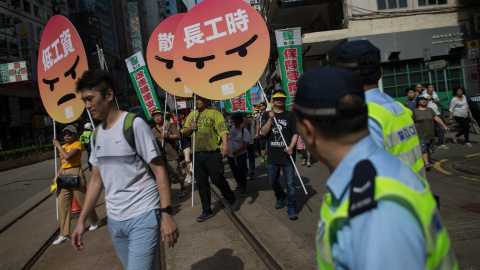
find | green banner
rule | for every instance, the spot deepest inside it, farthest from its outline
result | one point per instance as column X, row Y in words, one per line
column 289, row 43
column 240, row 104
column 143, row 84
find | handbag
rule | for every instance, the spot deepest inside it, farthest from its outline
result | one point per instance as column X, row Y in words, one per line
column 68, row 180
column 474, row 128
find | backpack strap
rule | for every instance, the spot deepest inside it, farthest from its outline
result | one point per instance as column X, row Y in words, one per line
column 94, row 137
column 128, row 130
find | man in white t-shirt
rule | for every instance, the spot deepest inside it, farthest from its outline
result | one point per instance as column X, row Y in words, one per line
column 238, row 141
column 133, row 196
column 433, row 103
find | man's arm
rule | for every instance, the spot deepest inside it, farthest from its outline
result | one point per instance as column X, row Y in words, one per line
column 224, row 149
column 268, row 125
column 93, row 193
column 290, row 148
column 168, row 227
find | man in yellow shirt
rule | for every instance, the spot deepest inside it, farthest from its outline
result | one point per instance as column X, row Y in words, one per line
column 210, row 147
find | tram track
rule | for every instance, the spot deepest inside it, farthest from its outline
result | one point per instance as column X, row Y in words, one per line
column 260, row 250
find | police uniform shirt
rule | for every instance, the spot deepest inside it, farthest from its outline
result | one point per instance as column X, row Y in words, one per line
column 375, row 96
column 385, row 237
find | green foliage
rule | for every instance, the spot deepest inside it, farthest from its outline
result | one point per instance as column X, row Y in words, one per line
column 25, row 152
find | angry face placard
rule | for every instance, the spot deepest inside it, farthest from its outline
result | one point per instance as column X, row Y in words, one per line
column 160, row 58
column 221, row 48
column 61, row 60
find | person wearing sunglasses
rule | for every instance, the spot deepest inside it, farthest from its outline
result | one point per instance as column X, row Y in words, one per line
column 71, row 160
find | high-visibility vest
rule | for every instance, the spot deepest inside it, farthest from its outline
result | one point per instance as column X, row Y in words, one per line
column 399, row 136
column 85, row 137
column 421, row 205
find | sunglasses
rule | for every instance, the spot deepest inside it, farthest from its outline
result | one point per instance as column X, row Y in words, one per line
column 67, row 134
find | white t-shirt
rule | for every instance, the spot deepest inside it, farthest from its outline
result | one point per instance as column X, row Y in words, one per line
column 459, row 107
column 431, row 104
column 236, row 140
column 129, row 190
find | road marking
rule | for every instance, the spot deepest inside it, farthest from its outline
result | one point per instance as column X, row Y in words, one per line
column 478, row 154
column 438, row 164
column 468, row 178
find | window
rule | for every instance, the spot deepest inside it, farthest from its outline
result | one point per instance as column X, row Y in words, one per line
column 391, row 4
column 36, row 11
column 397, row 76
column 431, row 2
column 26, row 6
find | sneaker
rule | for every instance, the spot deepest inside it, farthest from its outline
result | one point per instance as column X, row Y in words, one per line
column 237, row 188
column 61, row 239
column 304, row 162
column 95, row 225
column 243, row 193
column 204, row 216
column 468, row 144
column 233, row 206
column 252, row 176
column 292, row 215
column 309, row 164
column 454, row 137
column 443, row 146
column 182, row 193
column 280, row 203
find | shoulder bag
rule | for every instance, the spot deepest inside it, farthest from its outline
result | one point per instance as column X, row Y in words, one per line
column 68, row 180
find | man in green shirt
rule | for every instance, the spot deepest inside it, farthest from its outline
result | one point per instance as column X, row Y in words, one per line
column 210, row 147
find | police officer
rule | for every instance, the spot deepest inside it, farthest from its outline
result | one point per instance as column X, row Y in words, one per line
column 85, row 141
column 378, row 213
column 390, row 123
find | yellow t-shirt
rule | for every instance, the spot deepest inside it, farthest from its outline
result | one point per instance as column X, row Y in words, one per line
column 74, row 161
column 210, row 128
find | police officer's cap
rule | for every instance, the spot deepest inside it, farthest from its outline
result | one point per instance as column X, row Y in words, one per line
column 349, row 53
column 319, row 90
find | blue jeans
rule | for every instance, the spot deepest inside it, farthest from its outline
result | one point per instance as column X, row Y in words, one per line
column 251, row 158
column 238, row 166
column 289, row 176
column 136, row 239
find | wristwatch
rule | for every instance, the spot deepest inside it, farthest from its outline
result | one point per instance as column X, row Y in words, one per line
column 168, row 210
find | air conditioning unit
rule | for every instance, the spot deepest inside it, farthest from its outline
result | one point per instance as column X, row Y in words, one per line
column 476, row 23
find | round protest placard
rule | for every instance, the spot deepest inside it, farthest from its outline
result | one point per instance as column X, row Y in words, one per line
column 160, row 58
column 221, row 48
column 61, row 60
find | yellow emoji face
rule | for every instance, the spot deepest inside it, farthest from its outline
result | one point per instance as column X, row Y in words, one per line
column 61, row 61
column 221, row 48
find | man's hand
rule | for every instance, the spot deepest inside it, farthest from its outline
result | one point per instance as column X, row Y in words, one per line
column 271, row 114
column 193, row 126
column 169, row 230
column 289, row 150
column 164, row 135
column 224, row 150
column 77, row 236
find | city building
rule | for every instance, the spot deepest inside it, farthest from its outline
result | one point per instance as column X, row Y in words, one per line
column 413, row 36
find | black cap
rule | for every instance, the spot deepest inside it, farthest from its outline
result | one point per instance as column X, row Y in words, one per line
column 421, row 97
column 348, row 54
column 238, row 118
column 320, row 88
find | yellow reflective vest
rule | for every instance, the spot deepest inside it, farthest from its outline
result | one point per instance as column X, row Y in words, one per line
column 399, row 136
column 421, row 205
